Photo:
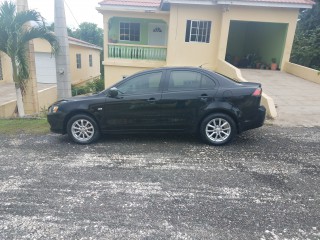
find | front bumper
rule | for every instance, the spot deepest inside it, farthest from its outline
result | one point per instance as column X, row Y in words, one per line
column 257, row 122
column 56, row 121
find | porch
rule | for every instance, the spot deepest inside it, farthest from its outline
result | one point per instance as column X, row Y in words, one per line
column 136, row 39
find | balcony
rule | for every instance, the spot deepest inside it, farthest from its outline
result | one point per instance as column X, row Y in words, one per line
column 137, row 52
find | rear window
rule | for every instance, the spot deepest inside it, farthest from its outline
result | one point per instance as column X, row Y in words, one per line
column 189, row 80
column 224, row 80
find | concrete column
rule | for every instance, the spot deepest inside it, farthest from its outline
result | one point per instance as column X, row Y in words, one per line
column 63, row 56
column 224, row 34
column 30, row 99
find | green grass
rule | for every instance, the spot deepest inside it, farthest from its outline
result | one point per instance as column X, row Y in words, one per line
column 29, row 126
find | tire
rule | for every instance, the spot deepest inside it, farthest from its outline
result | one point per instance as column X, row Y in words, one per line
column 218, row 129
column 83, row 129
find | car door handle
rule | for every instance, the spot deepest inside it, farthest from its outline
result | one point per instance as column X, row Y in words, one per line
column 151, row 100
column 204, row 97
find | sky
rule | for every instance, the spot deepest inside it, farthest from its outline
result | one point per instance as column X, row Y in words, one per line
column 82, row 10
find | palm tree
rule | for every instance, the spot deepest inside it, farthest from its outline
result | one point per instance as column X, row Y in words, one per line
column 16, row 30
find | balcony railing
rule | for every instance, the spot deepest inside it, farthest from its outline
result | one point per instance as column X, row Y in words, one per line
column 137, row 52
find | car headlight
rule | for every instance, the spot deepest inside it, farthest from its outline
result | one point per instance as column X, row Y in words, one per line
column 56, row 106
column 53, row 109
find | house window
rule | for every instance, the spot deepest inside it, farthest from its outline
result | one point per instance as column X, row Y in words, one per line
column 78, row 60
column 129, row 31
column 198, row 31
column 90, row 60
column 1, row 76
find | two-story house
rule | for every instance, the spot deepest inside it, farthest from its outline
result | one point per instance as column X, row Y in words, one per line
column 220, row 35
column 210, row 33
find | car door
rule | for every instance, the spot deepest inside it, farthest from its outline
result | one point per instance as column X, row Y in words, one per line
column 186, row 94
column 137, row 105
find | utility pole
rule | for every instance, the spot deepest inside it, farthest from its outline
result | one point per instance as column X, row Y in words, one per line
column 62, row 57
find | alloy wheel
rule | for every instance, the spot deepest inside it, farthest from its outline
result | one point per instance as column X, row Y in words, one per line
column 218, row 130
column 82, row 130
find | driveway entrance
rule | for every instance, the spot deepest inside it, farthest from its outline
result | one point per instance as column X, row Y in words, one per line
column 297, row 100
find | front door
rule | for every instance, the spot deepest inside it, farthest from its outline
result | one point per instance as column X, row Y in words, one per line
column 136, row 107
column 157, row 34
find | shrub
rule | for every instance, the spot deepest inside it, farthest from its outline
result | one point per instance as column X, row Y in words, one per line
column 95, row 86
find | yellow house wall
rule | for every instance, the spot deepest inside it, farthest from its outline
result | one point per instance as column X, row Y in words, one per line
column 47, row 97
column 85, row 72
column 7, row 110
column 6, row 68
column 306, row 73
column 181, row 53
column 41, row 45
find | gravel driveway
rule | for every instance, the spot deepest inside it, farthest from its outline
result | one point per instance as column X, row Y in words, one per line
column 264, row 185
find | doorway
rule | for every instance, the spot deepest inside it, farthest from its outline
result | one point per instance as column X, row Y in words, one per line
column 157, row 34
column 256, row 44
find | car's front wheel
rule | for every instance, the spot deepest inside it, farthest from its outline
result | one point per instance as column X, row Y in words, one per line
column 83, row 129
column 218, row 129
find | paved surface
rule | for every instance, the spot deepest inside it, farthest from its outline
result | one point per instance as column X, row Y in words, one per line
column 265, row 185
column 297, row 100
column 7, row 91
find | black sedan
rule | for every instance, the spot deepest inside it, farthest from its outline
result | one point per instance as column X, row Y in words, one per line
column 179, row 99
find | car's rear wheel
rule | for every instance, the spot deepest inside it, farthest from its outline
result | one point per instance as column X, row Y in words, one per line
column 218, row 129
column 83, row 129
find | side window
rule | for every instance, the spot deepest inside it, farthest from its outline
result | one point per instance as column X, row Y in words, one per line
column 207, row 83
column 78, row 57
column 184, row 80
column 147, row 83
column 90, row 60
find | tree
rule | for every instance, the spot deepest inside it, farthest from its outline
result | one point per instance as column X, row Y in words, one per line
column 15, row 34
column 306, row 47
column 89, row 32
column 69, row 30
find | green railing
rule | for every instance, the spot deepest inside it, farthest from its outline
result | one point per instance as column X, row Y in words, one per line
column 137, row 52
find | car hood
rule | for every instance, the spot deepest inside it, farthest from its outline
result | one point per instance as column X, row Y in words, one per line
column 78, row 98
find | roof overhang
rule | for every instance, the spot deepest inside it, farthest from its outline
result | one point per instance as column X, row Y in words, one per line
column 279, row 4
column 265, row 4
column 127, row 8
column 78, row 42
column 191, row 2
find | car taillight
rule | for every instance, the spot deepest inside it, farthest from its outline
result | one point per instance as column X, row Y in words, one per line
column 257, row 92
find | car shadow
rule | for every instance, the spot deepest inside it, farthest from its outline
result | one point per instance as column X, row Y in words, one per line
column 151, row 138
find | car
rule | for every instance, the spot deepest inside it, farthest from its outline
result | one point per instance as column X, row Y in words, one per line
column 168, row 99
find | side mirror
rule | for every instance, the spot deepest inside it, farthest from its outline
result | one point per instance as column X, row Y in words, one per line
column 113, row 92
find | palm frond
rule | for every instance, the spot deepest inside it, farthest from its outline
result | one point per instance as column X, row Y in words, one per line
column 22, row 67
column 28, row 16
column 3, row 40
column 42, row 33
column 7, row 12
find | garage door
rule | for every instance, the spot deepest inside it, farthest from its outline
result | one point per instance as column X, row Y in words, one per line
column 46, row 68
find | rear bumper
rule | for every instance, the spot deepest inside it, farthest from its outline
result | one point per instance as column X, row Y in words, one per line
column 257, row 122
